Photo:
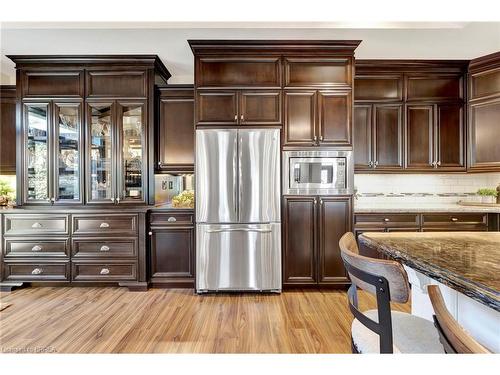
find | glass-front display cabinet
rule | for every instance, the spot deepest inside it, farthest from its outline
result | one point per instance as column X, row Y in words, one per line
column 53, row 150
column 115, row 154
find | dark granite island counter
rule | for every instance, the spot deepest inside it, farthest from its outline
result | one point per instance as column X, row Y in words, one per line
column 466, row 266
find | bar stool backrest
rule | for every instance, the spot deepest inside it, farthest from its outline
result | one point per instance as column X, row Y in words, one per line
column 386, row 279
column 451, row 334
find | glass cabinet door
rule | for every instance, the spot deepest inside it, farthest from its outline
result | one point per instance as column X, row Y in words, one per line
column 101, row 154
column 68, row 153
column 37, row 153
column 132, row 153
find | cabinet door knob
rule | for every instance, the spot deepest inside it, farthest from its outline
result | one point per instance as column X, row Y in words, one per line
column 386, row 219
column 241, row 117
column 36, row 225
column 117, row 200
column 172, row 219
column 52, row 200
column 235, row 117
column 37, row 271
column 321, row 138
column 160, row 163
column 454, row 219
column 370, row 164
column 104, row 271
column 104, row 225
column 112, row 200
column 438, row 163
column 150, row 233
column 320, row 202
column 104, row 248
column 36, row 248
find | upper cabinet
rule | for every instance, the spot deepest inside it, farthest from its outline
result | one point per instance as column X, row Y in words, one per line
column 8, row 129
column 484, row 114
column 303, row 72
column 304, row 85
column 409, row 115
column 238, row 71
column 86, row 111
column 238, row 107
column 317, row 118
column 175, row 127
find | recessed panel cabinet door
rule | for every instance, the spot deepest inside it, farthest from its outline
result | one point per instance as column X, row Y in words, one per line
column 388, row 140
column 419, row 136
column 484, row 135
column 299, row 261
column 300, row 118
column 176, row 127
column 335, row 220
column 335, row 118
column 217, row 108
column 172, row 253
column 450, row 136
column 260, row 107
column 362, row 136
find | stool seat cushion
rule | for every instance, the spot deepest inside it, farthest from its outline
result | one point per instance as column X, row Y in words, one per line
column 411, row 334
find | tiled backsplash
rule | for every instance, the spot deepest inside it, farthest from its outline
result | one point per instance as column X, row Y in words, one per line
column 422, row 187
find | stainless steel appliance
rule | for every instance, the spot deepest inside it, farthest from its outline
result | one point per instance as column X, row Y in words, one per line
column 326, row 172
column 238, row 231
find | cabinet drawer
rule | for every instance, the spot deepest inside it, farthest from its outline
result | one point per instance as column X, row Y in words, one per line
column 18, row 247
column 454, row 220
column 35, row 224
column 173, row 218
column 389, row 220
column 105, row 224
column 35, row 271
column 103, row 247
column 104, row 271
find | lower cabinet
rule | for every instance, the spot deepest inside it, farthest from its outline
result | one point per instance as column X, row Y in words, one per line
column 419, row 222
column 171, row 246
column 73, row 247
column 313, row 226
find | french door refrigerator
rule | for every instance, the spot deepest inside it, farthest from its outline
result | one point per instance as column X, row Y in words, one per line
column 238, row 230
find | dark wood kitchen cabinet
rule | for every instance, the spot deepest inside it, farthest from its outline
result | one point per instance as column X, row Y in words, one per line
column 317, row 118
column 87, row 111
column 313, row 226
column 256, row 107
column 378, row 140
column 175, row 129
column 484, row 114
column 172, row 252
column 239, row 83
column 435, row 137
column 8, row 129
column 409, row 116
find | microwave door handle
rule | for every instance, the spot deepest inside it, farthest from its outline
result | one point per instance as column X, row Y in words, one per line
column 296, row 174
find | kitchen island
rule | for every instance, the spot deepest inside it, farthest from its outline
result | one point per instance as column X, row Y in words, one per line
column 465, row 265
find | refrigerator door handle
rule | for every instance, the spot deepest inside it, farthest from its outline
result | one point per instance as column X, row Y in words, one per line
column 238, row 230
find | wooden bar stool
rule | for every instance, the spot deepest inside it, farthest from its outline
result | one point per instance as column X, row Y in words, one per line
column 454, row 338
column 383, row 330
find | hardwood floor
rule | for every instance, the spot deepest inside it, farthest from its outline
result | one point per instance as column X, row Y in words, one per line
column 114, row 320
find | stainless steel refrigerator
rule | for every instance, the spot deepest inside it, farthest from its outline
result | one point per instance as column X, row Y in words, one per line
column 238, row 230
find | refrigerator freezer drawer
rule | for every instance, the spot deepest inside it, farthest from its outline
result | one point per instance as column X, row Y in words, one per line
column 238, row 257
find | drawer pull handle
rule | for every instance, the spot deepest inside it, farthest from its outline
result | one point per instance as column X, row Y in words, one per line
column 105, row 271
column 172, row 219
column 36, row 225
column 36, row 248
column 104, row 225
column 386, row 220
column 37, row 271
column 454, row 219
column 104, row 248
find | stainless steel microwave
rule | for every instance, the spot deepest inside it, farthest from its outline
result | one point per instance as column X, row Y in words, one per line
column 316, row 172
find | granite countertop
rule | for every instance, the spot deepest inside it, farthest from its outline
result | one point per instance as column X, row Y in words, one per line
column 168, row 207
column 405, row 207
column 468, row 262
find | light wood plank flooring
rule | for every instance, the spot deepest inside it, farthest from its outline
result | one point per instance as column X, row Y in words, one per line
column 114, row 320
